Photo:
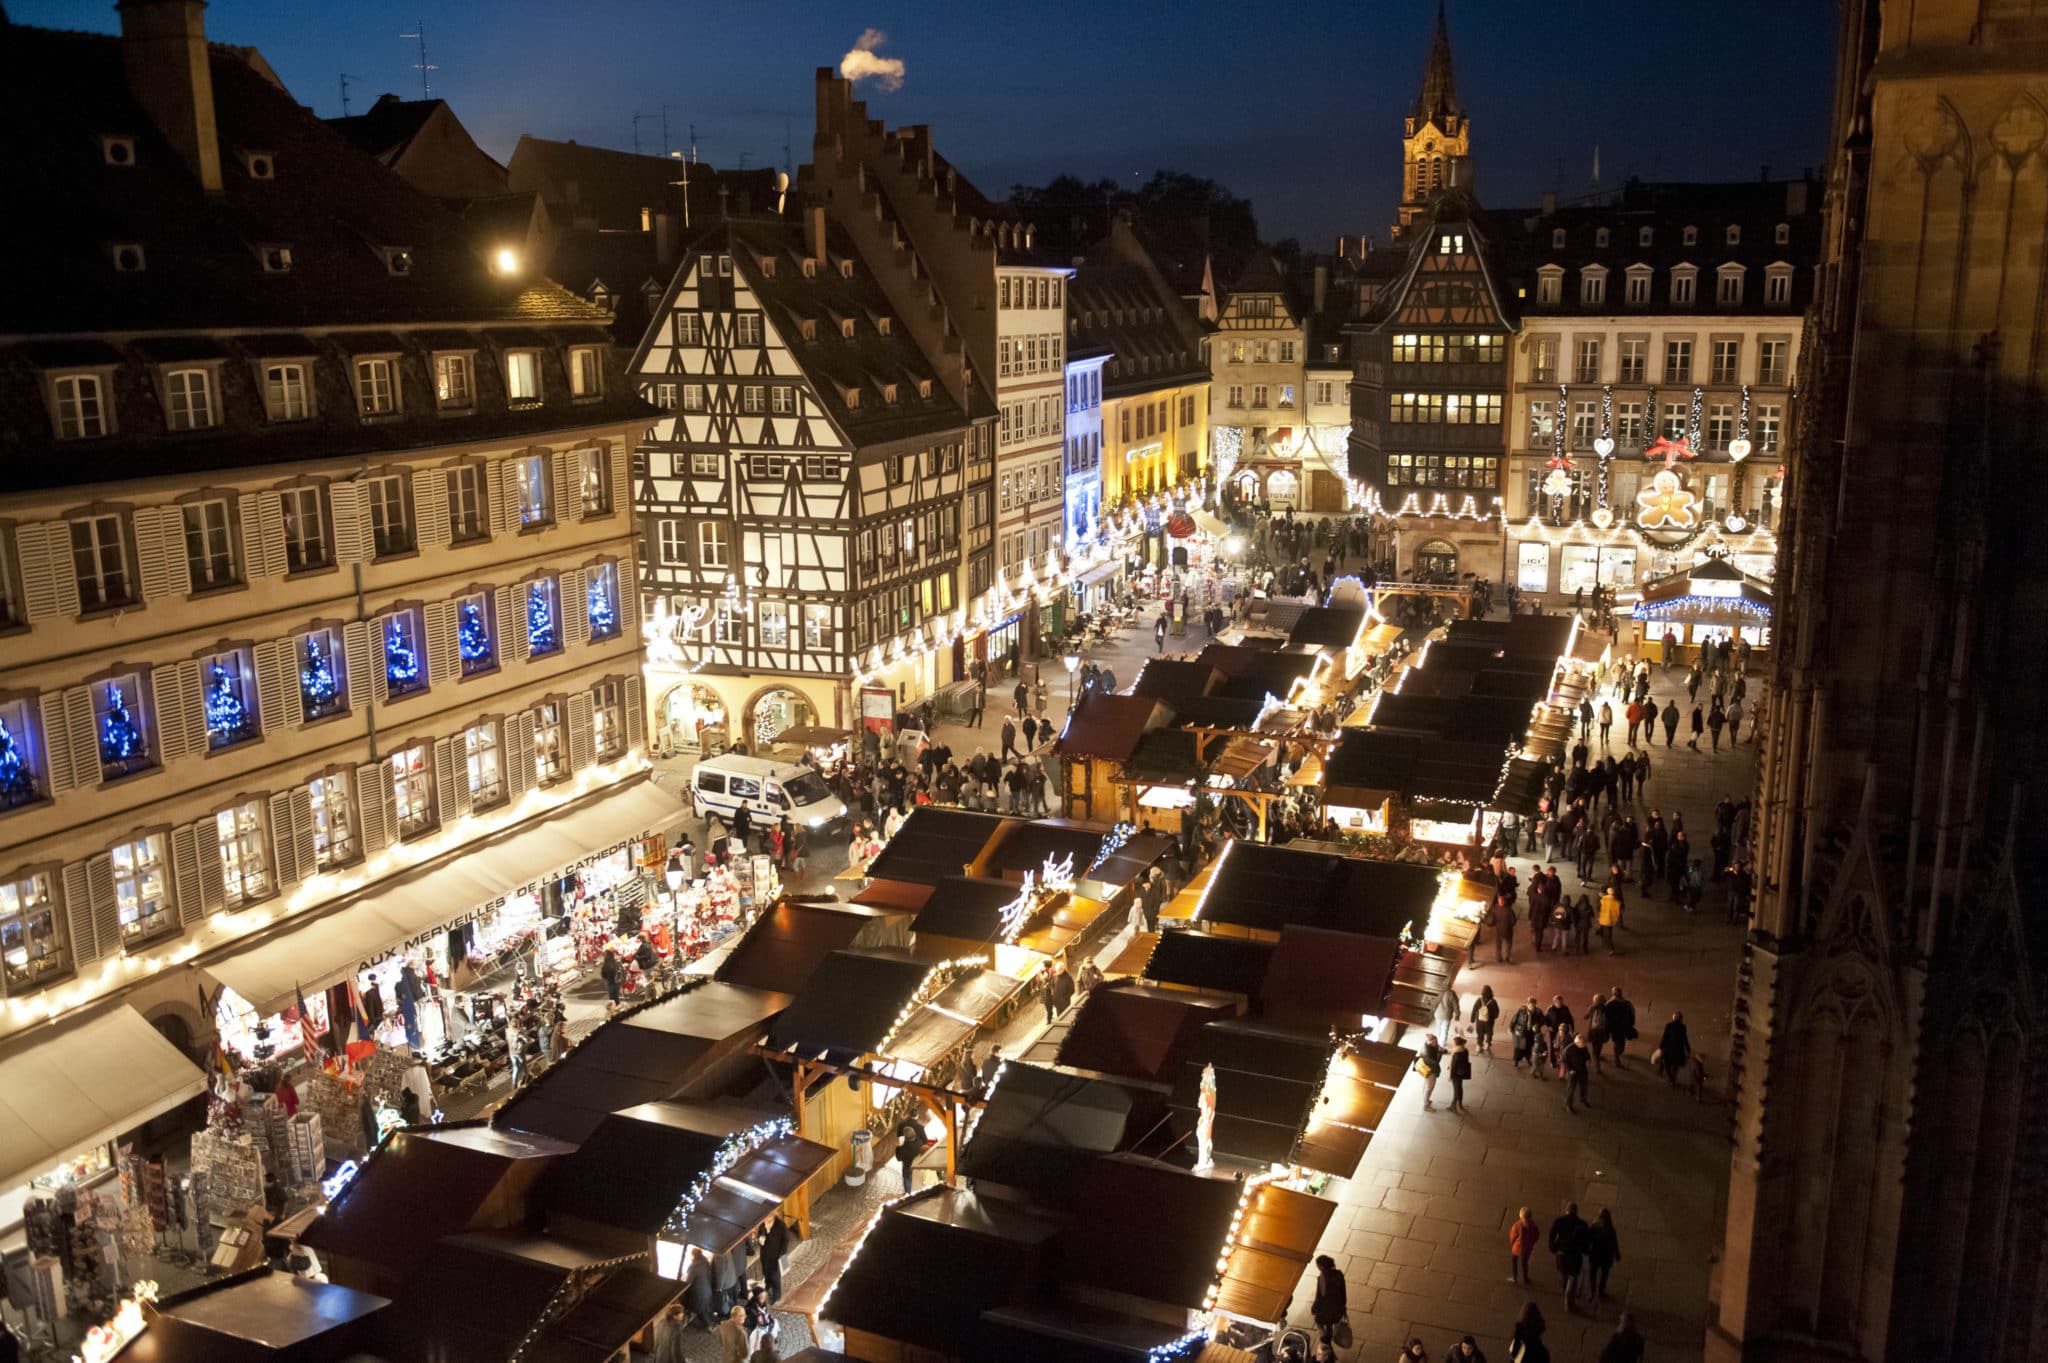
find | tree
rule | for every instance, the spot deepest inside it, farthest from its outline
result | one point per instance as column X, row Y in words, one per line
column 1183, row 219
column 474, row 637
column 541, row 636
column 227, row 717
column 401, row 659
column 604, row 620
column 317, row 686
column 17, row 782
column 121, row 741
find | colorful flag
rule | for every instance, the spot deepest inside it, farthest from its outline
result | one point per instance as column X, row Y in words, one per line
column 309, row 1032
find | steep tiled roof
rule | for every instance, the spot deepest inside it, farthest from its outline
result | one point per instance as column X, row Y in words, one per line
column 611, row 187
column 389, row 127
column 1118, row 307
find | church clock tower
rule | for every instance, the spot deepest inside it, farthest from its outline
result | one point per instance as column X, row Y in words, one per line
column 1436, row 137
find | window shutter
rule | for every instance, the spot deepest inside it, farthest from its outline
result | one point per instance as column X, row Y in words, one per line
column 151, row 550
column 636, row 721
column 78, row 915
column 575, row 623
column 376, row 806
column 263, row 534
column 451, row 779
column 181, row 712
column 378, row 680
column 302, row 831
column 177, row 557
column 351, row 510
column 213, row 889
column 106, row 908
column 49, row 583
column 511, row 607
column 518, row 754
column 58, row 747
column 277, row 686
column 568, row 470
column 430, row 508
column 85, row 747
column 505, row 496
column 284, row 849
column 582, row 734
column 442, row 662
column 357, row 668
column 621, row 472
column 629, row 604
column 185, row 874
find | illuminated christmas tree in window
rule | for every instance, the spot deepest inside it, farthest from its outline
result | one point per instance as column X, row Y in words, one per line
column 401, row 657
column 17, row 781
column 318, row 689
column 122, row 747
column 541, row 634
column 474, row 637
column 227, row 717
column 604, row 618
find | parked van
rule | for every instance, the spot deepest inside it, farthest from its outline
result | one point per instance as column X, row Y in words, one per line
column 721, row 785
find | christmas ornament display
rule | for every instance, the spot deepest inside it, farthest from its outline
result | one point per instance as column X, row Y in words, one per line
column 227, row 718
column 604, row 618
column 122, row 747
column 473, row 637
column 401, row 657
column 1665, row 504
column 319, row 692
column 541, row 634
column 17, row 781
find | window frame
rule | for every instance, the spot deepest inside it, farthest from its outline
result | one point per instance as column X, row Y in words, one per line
column 412, row 790
column 23, row 718
column 277, row 408
column 383, row 368
column 415, row 634
column 713, row 543
column 608, row 698
column 241, row 660
column 484, row 764
column 50, row 905
column 101, row 379
column 374, row 484
column 466, row 401
column 550, row 736
column 141, row 934
column 487, row 611
column 513, row 400
column 231, row 514
column 122, row 543
column 476, row 473
column 209, row 387
column 535, row 474
column 297, row 493
column 333, row 640
column 550, row 586
column 143, row 712
column 320, row 798
column 576, row 358
column 235, row 893
column 594, row 473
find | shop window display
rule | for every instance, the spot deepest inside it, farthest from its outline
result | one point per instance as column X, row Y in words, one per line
column 32, row 947
column 142, row 889
column 334, row 824
column 244, row 854
column 412, row 787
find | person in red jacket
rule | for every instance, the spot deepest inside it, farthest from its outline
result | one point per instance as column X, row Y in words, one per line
column 1523, row 1238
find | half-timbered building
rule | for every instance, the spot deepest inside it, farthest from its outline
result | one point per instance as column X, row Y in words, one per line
column 1429, row 388
column 1256, row 362
column 802, row 492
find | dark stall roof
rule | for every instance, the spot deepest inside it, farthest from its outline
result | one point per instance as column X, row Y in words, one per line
column 465, row 1303
column 1327, row 627
column 785, row 946
column 420, row 1186
column 1498, row 720
column 1138, row 854
column 966, row 908
column 1185, row 1218
column 1021, row 847
column 1136, row 1032
column 851, row 1003
column 260, row 1314
column 1200, row 960
column 933, row 844
column 1522, row 788
column 1071, row 1332
column 1166, row 757
column 1109, row 727
column 1318, row 979
column 1175, row 680
column 1367, row 761
column 1260, row 886
column 1542, row 637
column 632, row 1171
column 638, row 1057
column 1272, row 670
column 1041, row 1128
column 1266, row 1083
column 598, row 1326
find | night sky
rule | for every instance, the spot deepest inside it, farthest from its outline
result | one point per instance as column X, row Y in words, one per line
column 1295, row 106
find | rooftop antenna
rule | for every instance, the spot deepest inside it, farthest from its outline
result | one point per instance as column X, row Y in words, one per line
column 344, row 94
column 693, row 144
column 788, row 164
column 423, row 66
column 664, row 130
column 684, row 183
column 636, row 132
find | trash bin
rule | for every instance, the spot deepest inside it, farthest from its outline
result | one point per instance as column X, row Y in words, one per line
column 863, row 1158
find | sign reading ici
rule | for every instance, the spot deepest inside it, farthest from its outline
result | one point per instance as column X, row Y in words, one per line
column 531, row 889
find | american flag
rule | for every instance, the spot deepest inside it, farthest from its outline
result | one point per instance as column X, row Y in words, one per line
column 309, row 1033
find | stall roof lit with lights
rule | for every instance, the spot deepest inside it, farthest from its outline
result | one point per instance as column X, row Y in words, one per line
column 1711, row 592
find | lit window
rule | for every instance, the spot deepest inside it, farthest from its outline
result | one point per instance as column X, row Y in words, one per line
column 99, row 557
column 285, row 396
column 21, row 779
column 188, row 399
column 376, row 387
column 468, row 512
column 244, row 854
column 550, row 753
column 817, row 626
column 323, row 682
column 474, row 634
column 608, row 719
column 522, row 376
column 404, row 670
column 671, row 543
column 121, row 727
column 544, row 616
column 33, row 951
column 225, row 681
column 142, row 889
column 602, row 591
column 747, row 329
column 594, row 477
column 334, row 820
column 714, row 544
column 412, row 789
column 773, row 619
column 536, row 498
column 486, row 775
column 782, row 399
column 586, row 372
column 81, row 411
column 391, row 514
column 305, row 529
column 693, row 397
column 210, row 555
column 452, row 386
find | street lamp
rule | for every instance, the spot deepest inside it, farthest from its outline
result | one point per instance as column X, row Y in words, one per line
column 674, row 876
column 1073, row 662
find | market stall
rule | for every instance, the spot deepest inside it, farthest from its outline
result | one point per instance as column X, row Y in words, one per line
column 1711, row 601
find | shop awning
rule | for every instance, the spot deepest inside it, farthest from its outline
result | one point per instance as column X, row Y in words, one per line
column 329, row 948
column 81, row 1084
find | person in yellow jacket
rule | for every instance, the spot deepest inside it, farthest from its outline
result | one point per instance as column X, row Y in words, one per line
column 1610, row 914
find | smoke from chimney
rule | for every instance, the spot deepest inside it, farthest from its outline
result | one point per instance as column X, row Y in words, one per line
column 861, row 63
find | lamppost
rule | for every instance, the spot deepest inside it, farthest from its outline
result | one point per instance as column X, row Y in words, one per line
column 1073, row 662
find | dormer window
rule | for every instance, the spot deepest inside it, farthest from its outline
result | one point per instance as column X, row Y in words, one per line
column 601, row 297
column 276, row 259
column 259, row 164
column 808, row 328
column 1599, row 236
column 127, row 257
column 1684, row 279
column 1557, row 239
column 1734, row 235
column 810, row 268
column 851, row 397
column 117, row 150
column 1728, row 285
column 889, row 393
column 1550, row 285
column 1784, row 234
column 924, row 388
column 398, row 260
column 846, row 269
column 1692, row 236
column 846, row 328
column 1645, row 236
column 767, row 265
column 881, row 326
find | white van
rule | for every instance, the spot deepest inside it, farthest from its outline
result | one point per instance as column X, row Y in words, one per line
column 720, row 786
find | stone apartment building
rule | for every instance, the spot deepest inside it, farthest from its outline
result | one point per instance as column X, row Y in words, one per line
column 317, row 602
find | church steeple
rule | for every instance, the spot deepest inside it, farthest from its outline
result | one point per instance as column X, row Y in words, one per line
column 1435, row 138
column 1438, row 102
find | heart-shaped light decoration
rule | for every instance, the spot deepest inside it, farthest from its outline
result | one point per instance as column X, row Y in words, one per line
column 1604, row 446
column 1603, row 518
column 1736, row 525
column 1738, row 449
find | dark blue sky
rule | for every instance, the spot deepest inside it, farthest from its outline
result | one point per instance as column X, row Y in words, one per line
column 1294, row 105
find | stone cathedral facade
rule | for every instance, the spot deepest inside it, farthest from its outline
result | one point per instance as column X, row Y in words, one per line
column 1886, row 1202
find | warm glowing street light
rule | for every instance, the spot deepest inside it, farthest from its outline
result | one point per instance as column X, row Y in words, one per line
column 506, row 261
column 1073, row 662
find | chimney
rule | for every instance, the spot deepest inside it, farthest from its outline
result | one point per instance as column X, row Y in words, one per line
column 664, row 237
column 164, row 54
column 1322, row 286
column 1795, row 198
column 814, row 233
column 1549, row 203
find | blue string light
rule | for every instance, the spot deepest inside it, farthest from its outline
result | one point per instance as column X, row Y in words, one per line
column 401, row 658
column 17, row 781
column 227, row 718
column 604, row 615
column 475, row 638
column 319, row 692
column 122, row 748
column 541, row 634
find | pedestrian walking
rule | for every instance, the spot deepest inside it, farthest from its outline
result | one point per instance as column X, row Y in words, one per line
column 1485, row 1012
column 1461, row 1070
column 1062, row 990
column 1522, row 1028
column 1527, row 1344
column 1670, row 718
column 1465, row 1350
column 1578, row 1073
column 1327, row 1311
column 1626, row 1344
column 1596, row 1028
column 1610, row 914
column 1450, row 1011
column 1699, row 726
column 1621, row 1024
column 732, row 1336
column 1524, row 1235
column 910, row 1143
column 1674, row 1050
column 1568, row 1246
column 1735, row 722
column 1009, row 749
column 1603, row 1252
column 1717, row 719
column 1429, row 1065
column 1159, row 631
column 1503, row 919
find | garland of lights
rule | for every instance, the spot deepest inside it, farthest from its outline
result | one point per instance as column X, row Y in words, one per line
column 121, row 740
column 318, row 689
column 401, row 658
column 17, row 781
column 1111, row 845
column 541, row 634
column 475, row 637
column 1691, row 607
column 604, row 618
column 1604, row 446
column 934, row 983
column 227, row 718
column 734, row 1148
column 1186, row 1347
column 1692, row 429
